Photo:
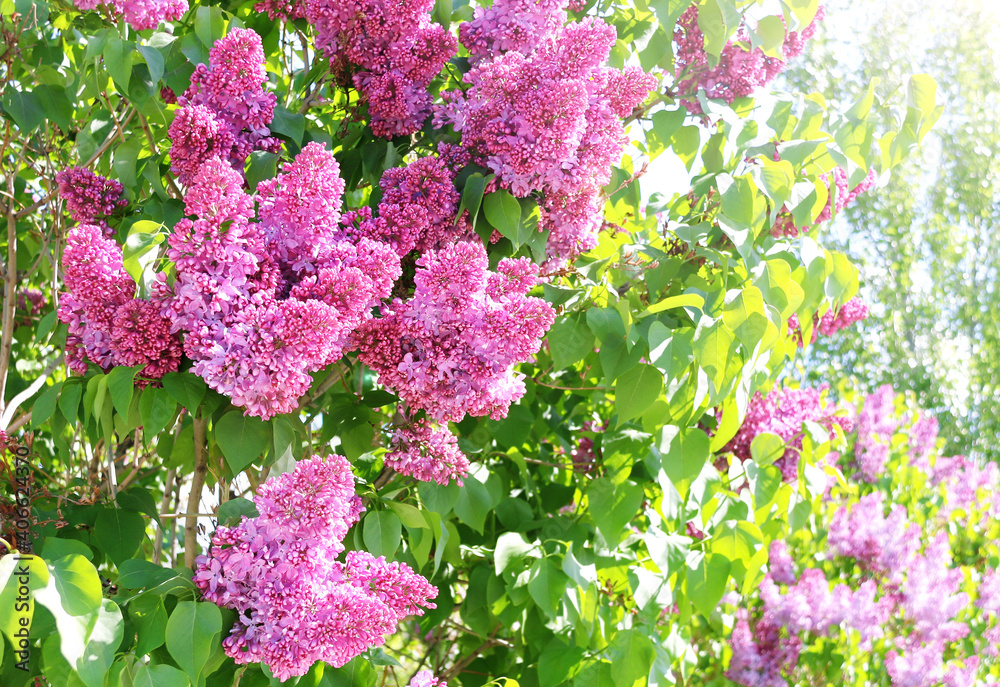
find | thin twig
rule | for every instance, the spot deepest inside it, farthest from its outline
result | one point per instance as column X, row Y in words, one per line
column 197, row 484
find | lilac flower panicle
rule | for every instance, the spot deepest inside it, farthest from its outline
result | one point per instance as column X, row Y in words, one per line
column 90, row 198
column 739, row 72
column 139, row 14
column 225, row 112
column 425, row 678
column 427, row 453
column 450, row 349
column 782, row 412
column 297, row 602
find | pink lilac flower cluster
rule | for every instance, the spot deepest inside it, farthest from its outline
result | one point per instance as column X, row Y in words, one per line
column 805, row 605
column 583, row 455
column 739, row 72
column 296, row 602
column 451, row 348
column 428, row 453
column 901, row 580
column 832, row 321
column 783, row 412
column 139, row 14
column 390, row 50
column 875, row 425
column 544, row 113
column 90, row 198
column 30, row 303
column 840, row 196
column 262, row 305
column 882, row 545
column 225, row 112
column 425, row 678
column 107, row 325
column 964, row 481
column 417, row 209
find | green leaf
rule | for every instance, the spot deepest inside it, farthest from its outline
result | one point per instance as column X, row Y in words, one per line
column 139, row 252
column 138, row 573
column 774, row 279
column 472, row 196
column 504, row 212
column 669, row 11
column 232, row 511
column 73, row 587
column 636, row 390
column 119, row 532
column 261, row 166
column 69, row 401
column 744, row 315
column 711, row 349
column 209, row 25
column 121, row 385
column 161, row 675
column 766, row 448
column 546, row 584
column 438, row 498
column 706, row 580
column 193, row 632
column 558, row 662
column 613, row 506
column 138, row 499
column 17, row 571
column 154, row 61
column 668, row 551
column 511, row 546
column 713, row 25
column 474, row 503
column 737, row 541
column 683, row 454
column 684, row 300
column 382, row 533
column 118, row 56
column 632, row 654
column 570, row 341
column 54, row 548
column 185, row 388
column 157, row 409
column 89, row 642
column 56, row 105
column 772, row 33
column 24, row 107
column 242, row 439
column 45, row 405
column 288, row 124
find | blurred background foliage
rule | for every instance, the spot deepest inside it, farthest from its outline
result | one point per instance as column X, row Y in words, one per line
column 926, row 243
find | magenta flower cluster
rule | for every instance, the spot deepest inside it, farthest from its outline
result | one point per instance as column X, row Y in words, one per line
column 139, row 14
column 225, row 112
column 428, row 453
column 107, row 324
column 783, row 412
column 389, row 50
column 901, row 583
column 262, row 305
column 832, row 321
column 840, row 196
column 451, row 348
column 90, row 198
column 739, row 72
column 425, row 678
column 296, row 602
column 417, row 209
column 544, row 113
